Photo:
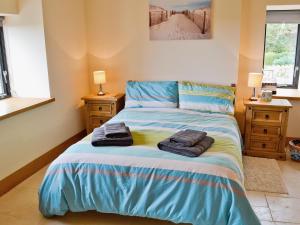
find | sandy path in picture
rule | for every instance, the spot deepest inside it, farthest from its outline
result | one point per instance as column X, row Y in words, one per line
column 178, row 27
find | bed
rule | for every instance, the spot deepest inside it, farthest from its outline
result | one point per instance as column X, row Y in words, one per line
column 143, row 181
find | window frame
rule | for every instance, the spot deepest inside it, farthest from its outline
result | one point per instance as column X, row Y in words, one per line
column 3, row 64
column 297, row 60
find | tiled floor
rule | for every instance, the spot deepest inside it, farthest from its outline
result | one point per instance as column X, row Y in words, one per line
column 280, row 209
column 20, row 205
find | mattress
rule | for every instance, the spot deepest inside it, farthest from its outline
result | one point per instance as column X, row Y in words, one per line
column 143, row 181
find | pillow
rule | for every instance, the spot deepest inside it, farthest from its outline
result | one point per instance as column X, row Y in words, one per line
column 206, row 98
column 151, row 94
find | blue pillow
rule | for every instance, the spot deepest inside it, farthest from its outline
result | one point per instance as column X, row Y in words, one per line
column 206, row 98
column 151, row 94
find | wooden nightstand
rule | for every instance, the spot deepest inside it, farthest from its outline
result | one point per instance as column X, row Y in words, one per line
column 99, row 109
column 266, row 126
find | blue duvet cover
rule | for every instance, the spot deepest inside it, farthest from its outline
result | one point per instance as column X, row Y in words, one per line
column 143, row 181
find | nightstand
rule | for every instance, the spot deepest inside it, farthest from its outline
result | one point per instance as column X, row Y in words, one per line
column 99, row 109
column 266, row 127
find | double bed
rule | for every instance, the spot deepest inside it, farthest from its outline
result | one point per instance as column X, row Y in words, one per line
column 143, row 181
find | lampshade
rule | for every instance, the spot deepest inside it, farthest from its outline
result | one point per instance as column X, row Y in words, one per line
column 99, row 77
column 255, row 80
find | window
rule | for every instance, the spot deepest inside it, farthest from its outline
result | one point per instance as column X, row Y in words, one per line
column 282, row 47
column 4, row 80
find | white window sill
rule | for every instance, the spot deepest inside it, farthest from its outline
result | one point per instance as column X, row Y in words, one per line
column 12, row 106
column 290, row 94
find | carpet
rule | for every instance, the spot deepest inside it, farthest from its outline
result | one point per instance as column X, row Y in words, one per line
column 263, row 175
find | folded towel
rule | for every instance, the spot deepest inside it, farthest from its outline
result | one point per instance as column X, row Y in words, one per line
column 99, row 139
column 193, row 151
column 187, row 138
column 115, row 130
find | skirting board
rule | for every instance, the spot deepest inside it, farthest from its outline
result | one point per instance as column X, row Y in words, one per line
column 26, row 171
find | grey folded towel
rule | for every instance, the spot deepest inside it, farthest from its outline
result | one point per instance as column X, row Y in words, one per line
column 115, row 130
column 193, row 151
column 99, row 139
column 187, row 138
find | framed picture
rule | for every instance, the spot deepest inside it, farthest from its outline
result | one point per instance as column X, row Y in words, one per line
column 179, row 19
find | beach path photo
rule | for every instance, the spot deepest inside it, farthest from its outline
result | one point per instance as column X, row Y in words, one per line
column 179, row 20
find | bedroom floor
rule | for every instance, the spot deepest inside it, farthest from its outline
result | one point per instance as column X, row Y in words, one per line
column 20, row 205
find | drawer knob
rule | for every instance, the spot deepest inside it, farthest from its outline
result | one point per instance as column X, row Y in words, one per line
column 101, row 121
column 267, row 117
column 100, row 108
column 265, row 131
column 264, row 145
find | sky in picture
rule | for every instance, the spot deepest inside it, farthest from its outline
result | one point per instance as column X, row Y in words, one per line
column 179, row 5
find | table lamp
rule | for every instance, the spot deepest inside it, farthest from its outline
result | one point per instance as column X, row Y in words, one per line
column 100, row 78
column 255, row 81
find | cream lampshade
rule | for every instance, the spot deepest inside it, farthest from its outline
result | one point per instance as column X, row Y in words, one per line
column 100, row 78
column 254, row 81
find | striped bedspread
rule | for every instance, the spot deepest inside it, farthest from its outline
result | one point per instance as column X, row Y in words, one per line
column 143, row 181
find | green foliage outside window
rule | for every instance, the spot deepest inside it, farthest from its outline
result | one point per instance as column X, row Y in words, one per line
column 281, row 42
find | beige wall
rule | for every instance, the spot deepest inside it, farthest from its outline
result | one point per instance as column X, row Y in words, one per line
column 8, row 6
column 251, row 54
column 28, row 135
column 118, row 37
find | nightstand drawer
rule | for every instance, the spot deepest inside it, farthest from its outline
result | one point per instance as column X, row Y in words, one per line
column 100, row 109
column 267, row 138
column 267, row 116
column 265, row 131
column 97, row 121
column 264, row 146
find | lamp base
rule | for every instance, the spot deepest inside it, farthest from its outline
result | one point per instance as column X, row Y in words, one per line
column 101, row 93
column 253, row 99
